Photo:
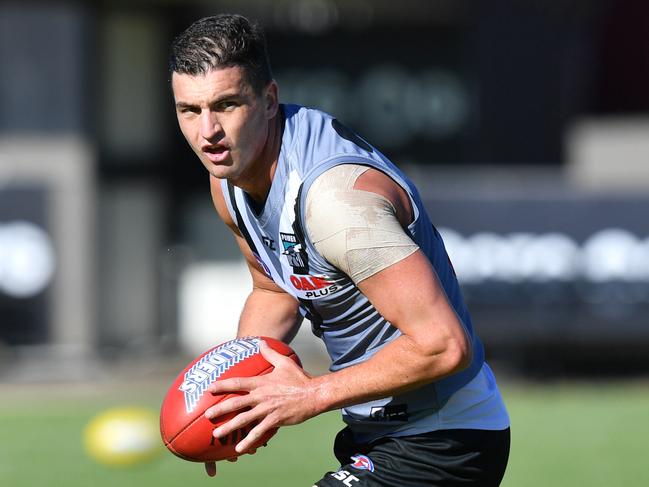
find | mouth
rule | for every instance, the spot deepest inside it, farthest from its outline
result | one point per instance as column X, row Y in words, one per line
column 215, row 153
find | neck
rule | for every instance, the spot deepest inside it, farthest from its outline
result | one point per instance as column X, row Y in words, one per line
column 257, row 183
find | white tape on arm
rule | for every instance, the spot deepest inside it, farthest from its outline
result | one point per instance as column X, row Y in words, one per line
column 356, row 231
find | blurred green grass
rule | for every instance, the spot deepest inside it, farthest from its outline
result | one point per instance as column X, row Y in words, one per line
column 567, row 434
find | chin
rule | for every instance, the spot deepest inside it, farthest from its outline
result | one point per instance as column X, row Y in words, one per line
column 218, row 174
column 220, row 171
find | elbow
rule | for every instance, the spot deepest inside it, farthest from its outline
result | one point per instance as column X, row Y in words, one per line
column 459, row 354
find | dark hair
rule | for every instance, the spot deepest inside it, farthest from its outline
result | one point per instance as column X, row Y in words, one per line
column 222, row 41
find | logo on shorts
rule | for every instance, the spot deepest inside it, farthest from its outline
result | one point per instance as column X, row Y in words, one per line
column 345, row 477
column 362, row 462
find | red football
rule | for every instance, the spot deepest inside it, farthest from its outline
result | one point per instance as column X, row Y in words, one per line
column 185, row 430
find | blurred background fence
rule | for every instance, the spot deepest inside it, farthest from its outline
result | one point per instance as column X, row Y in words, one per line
column 525, row 125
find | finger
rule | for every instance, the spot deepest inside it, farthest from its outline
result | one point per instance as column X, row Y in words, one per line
column 210, row 468
column 235, row 384
column 272, row 356
column 254, row 435
column 229, row 405
column 239, row 421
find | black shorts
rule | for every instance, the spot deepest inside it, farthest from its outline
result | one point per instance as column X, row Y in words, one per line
column 446, row 458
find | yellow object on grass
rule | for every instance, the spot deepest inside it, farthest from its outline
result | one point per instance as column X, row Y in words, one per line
column 123, row 436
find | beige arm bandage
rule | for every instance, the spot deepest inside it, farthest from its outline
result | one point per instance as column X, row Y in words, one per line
column 357, row 231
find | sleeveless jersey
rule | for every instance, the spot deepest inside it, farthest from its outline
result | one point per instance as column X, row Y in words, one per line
column 351, row 328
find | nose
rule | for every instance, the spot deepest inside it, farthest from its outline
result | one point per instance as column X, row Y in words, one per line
column 210, row 126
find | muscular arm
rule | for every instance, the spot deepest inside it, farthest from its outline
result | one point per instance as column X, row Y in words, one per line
column 404, row 288
column 268, row 310
column 433, row 344
column 407, row 293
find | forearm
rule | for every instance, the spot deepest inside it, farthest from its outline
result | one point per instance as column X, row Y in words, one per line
column 288, row 395
column 400, row 366
column 269, row 313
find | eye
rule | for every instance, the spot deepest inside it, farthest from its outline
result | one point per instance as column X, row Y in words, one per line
column 226, row 105
column 188, row 110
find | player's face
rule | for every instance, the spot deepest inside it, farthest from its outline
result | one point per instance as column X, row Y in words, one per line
column 225, row 122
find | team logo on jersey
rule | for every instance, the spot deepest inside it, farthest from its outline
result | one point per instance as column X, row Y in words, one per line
column 295, row 253
column 362, row 462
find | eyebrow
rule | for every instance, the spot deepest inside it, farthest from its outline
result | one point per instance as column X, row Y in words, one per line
column 215, row 101
column 182, row 104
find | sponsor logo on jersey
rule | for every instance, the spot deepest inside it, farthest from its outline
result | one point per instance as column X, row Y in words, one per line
column 212, row 365
column 306, row 286
column 268, row 242
column 362, row 462
column 313, row 287
column 309, row 283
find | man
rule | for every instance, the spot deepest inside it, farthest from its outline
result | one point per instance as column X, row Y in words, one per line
column 333, row 231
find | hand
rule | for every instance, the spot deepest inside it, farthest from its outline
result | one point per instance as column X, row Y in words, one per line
column 280, row 398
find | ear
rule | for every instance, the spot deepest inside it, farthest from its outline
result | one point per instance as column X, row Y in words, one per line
column 271, row 99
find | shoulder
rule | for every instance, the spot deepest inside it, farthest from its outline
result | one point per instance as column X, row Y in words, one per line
column 357, row 230
column 327, row 197
column 380, row 183
column 358, row 178
column 310, row 135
